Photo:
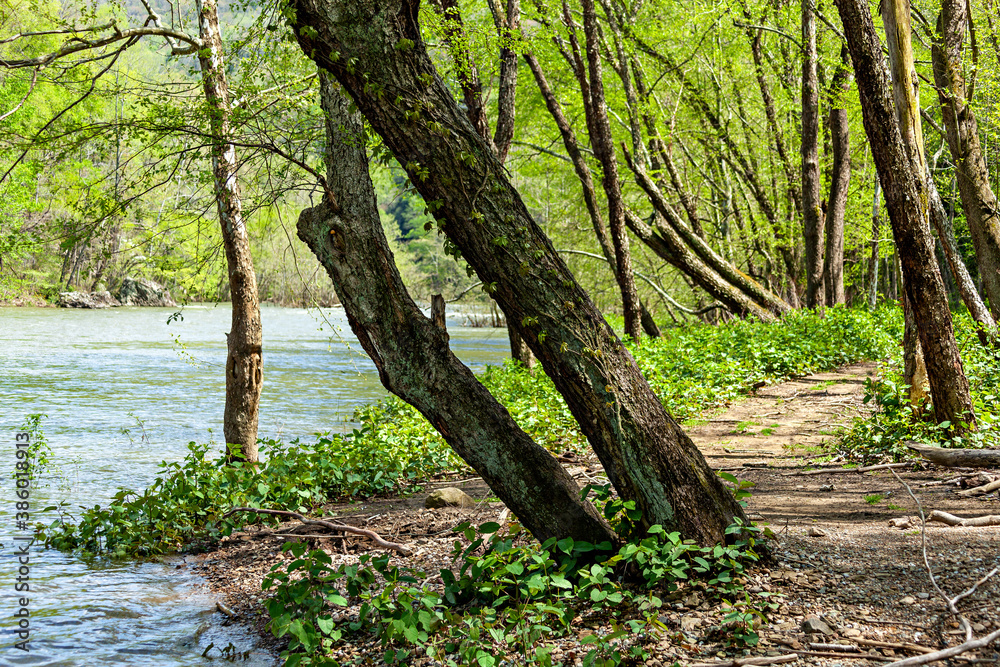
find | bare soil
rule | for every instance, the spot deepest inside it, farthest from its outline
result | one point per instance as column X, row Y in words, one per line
column 836, row 557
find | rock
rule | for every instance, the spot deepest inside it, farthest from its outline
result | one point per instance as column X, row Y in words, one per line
column 142, row 292
column 816, row 532
column 87, row 300
column 907, row 600
column 689, row 624
column 813, row 625
column 924, row 596
column 852, row 632
column 900, row 522
column 449, row 497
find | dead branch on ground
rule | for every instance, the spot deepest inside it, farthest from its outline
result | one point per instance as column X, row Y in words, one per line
column 370, row 534
column 970, row 643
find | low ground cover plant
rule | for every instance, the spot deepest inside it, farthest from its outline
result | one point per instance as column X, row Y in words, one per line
column 506, row 600
column 882, row 435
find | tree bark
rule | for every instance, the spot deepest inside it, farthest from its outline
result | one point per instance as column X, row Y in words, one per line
column 978, row 200
column 812, row 212
column 833, row 262
column 243, row 363
column 643, row 450
column 411, row 351
column 905, row 194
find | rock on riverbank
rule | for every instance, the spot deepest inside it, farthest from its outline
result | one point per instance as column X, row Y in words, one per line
column 131, row 292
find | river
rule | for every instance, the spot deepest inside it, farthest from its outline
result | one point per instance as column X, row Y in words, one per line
column 124, row 389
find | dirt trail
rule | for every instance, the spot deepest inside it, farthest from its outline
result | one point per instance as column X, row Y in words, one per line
column 836, row 557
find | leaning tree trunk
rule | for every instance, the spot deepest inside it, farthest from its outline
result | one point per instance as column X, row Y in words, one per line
column 978, row 200
column 840, row 134
column 243, row 363
column 905, row 195
column 390, row 76
column 812, row 212
column 411, row 352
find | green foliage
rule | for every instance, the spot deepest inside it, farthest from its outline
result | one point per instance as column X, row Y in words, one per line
column 504, row 599
column 693, row 368
column 185, row 504
column 882, row 436
column 39, row 457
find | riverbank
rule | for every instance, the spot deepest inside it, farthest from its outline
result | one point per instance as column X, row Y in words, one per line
column 842, row 579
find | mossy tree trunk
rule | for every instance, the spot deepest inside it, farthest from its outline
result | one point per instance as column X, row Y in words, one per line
column 411, row 351
column 374, row 48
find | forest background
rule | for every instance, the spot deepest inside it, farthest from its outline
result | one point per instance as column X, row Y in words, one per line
column 106, row 178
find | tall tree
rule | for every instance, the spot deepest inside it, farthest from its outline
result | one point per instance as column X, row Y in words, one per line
column 901, row 177
column 604, row 149
column 412, row 354
column 243, row 364
column 982, row 212
column 840, row 179
column 244, row 368
column 812, row 211
column 390, row 76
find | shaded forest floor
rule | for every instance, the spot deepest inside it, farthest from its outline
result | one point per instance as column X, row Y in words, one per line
column 840, row 569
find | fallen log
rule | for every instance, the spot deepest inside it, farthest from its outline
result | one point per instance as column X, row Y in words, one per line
column 963, row 458
column 974, row 522
column 980, row 490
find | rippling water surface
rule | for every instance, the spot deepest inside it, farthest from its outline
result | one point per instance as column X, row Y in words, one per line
column 123, row 390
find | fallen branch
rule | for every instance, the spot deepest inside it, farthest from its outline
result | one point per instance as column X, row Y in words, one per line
column 789, row 657
column 981, row 490
column 848, row 656
column 950, row 458
column 914, row 648
column 372, row 535
column 974, row 522
column 950, row 652
column 970, row 643
column 835, row 471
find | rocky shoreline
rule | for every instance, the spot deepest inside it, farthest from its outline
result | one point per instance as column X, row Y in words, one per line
column 131, row 292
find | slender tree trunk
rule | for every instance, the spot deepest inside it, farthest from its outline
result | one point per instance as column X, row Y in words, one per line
column 604, row 149
column 833, row 262
column 586, row 183
column 794, row 194
column 812, row 213
column 985, row 325
column 978, row 200
column 739, row 280
column 643, row 450
column 902, row 180
column 873, row 262
column 411, row 351
column 243, row 364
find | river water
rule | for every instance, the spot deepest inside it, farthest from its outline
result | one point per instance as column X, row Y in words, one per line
column 124, row 389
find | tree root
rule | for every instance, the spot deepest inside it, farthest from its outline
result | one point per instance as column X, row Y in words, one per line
column 370, row 534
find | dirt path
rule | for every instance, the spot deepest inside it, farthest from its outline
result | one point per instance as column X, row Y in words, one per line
column 837, row 558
